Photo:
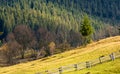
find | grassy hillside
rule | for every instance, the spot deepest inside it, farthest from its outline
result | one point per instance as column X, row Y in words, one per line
column 112, row 67
column 80, row 54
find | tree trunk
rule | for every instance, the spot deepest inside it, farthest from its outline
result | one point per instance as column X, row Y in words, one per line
column 22, row 53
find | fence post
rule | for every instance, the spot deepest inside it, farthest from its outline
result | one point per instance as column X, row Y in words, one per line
column 112, row 56
column 88, row 64
column 38, row 73
column 100, row 59
column 76, row 66
column 47, row 71
column 60, row 70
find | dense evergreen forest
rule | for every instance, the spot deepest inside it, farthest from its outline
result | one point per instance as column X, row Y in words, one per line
column 106, row 10
column 50, row 24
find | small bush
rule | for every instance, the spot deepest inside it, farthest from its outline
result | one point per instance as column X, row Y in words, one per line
column 64, row 46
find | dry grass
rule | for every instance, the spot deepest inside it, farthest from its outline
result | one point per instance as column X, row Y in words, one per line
column 92, row 51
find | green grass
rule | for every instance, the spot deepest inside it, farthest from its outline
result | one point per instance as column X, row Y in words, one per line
column 81, row 54
column 112, row 67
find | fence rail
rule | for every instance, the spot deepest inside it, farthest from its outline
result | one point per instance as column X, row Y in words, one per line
column 83, row 65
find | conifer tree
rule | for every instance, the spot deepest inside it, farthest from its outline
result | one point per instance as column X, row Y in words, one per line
column 86, row 30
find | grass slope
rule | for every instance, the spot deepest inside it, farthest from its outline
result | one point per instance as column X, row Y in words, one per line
column 81, row 54
column 112, row 67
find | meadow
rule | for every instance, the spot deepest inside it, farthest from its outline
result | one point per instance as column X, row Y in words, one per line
column 79, row 54
column 111, row 67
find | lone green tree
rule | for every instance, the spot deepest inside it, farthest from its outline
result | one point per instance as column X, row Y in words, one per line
column 86, row 30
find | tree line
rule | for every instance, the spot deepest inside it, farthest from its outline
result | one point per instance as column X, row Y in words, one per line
column 41, row 42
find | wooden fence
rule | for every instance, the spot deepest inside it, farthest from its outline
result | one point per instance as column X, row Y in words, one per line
column 83, row 65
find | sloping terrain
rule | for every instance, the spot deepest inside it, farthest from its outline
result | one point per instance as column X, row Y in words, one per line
column 80, row 54
column 112, row 67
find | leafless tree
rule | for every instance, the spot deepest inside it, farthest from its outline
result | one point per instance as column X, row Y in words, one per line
column 51, row 48
column 12, row 49
column 24, row 36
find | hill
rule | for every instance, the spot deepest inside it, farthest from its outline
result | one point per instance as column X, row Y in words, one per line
column 51, row 24
column 80, row 54
column 41, row 28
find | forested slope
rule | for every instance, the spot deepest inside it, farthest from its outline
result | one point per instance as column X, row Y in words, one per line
column 53, row 26
column 106, row 10
column 58, row 14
